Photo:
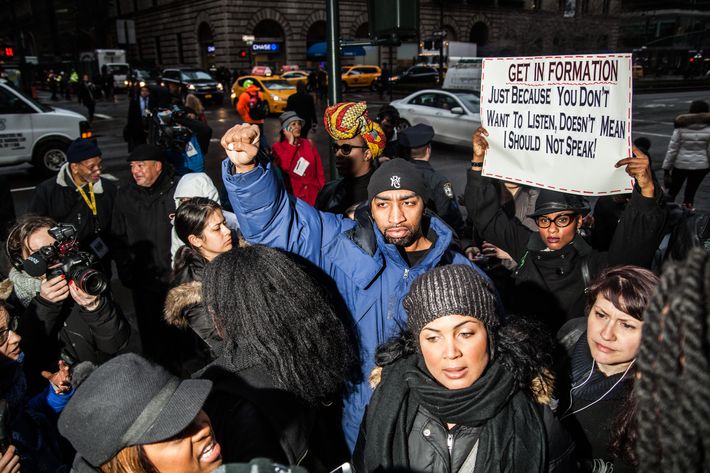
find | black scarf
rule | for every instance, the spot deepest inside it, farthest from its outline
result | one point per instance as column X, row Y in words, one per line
column 512, row 437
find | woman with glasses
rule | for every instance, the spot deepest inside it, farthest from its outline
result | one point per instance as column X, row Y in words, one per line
column 555, row 264
column 29, row 441
column 298, row 159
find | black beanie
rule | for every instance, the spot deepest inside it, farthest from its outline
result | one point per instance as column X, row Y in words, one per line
column 448, row 290
column 146, row 152
column 82, row 149
column 396, row 174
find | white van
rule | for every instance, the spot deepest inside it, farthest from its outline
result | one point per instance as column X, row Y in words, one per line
column 464, row 74
column 36, row 133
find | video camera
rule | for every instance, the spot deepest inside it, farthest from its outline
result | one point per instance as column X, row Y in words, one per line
column 165, row 132
column 73, row 263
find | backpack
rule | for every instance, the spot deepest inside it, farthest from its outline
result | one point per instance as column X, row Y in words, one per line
column 258, row 108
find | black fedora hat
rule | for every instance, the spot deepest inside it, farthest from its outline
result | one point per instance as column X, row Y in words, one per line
column 549, row 201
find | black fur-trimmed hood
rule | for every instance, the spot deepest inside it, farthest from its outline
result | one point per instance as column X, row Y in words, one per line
column 688, row 119
column 178, row 299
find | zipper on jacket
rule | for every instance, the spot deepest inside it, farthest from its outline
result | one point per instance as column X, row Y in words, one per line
column 450, row 442
column 406, row 274
column 298, row 462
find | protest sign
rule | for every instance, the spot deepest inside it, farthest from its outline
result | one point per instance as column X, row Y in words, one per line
column 558, row 122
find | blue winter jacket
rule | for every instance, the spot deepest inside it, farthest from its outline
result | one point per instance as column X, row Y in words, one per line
column 371, row 275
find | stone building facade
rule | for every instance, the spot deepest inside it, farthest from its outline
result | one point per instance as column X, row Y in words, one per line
column 203, row 32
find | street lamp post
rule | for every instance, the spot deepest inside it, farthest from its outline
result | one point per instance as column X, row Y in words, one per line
column 333, row 64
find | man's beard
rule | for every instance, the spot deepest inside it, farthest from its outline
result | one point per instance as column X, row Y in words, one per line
column 405, row 241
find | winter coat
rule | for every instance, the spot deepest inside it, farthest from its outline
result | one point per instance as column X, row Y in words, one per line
column 243, row 103
column 302, row 164
column 371, row 275
column 253, row 418
column 49, row 329
column 58, row 198
column 519, row 434
column 142, row 229
column 550, row 284
column 688, row 148
column 589, row 411
column 184, row 309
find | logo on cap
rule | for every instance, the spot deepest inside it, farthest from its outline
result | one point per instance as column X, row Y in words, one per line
column 395, row 182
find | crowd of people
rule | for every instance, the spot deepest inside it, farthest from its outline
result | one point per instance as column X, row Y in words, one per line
column 358, row 321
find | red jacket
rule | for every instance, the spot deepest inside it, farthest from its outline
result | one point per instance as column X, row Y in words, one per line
column 302, row 165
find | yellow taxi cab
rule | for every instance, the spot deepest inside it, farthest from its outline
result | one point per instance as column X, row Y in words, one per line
column 294, row 77
column 361, row 76
column 276, row 90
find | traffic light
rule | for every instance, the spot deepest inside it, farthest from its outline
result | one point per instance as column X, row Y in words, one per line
column 242, row 54
column 7, row 51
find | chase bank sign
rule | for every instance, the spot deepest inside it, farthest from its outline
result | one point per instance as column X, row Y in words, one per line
column 266, row 47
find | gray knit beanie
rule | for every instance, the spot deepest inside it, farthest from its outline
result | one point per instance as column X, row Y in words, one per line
column 448, row 290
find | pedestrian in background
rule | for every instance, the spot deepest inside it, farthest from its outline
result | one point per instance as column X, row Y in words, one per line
column 302, row 103
column 87, row 96
column 298, row 158
column 687, row 156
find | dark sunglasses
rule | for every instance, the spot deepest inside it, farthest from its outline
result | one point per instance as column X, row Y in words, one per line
column 561, row 221
column 11, row 327
column 346, row 148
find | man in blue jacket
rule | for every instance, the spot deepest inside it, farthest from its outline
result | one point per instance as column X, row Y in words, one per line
column 372, row 259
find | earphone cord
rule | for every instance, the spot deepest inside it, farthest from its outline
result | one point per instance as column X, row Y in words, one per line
column 565, row 415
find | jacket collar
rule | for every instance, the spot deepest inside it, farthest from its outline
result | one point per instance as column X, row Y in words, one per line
column 64, row 179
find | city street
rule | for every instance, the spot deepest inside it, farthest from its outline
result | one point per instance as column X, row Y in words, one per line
column 653, row 118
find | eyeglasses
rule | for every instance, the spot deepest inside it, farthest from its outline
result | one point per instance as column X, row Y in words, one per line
column 346, row 148
column 561, row 221
column 5, row 333
column 94, row 167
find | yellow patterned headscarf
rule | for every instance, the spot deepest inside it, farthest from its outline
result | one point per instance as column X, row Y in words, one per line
column 348, row 119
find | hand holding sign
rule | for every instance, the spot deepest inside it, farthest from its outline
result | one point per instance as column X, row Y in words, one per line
column 480, row 144
column 639, row 167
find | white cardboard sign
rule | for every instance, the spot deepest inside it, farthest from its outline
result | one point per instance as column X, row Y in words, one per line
column 558, row 122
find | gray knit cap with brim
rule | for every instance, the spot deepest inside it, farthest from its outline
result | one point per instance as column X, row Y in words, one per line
column 129, row 401
column 453, row 289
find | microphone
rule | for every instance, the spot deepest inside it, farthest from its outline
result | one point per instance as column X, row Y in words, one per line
column 35, row 265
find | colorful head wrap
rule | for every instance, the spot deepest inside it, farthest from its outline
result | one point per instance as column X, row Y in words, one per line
column 348, row 119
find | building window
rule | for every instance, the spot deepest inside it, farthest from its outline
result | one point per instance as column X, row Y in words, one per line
column 181, row 54
column 158, row 52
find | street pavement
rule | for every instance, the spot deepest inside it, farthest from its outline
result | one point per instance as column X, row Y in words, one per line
column 653, row 116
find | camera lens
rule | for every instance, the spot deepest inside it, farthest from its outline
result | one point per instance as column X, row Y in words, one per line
column 90, row 281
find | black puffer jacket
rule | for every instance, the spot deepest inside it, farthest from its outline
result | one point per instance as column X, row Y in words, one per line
column 184, row 309
column 550, row 284
column 142, row 231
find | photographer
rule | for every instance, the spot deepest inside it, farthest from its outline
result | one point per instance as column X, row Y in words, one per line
column 182, row 136
column 61, row 319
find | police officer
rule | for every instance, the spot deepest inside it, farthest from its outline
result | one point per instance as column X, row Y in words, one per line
column 415, row 145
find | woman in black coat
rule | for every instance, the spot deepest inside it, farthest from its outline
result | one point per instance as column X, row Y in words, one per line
column 462, row 390
column 555, row 263
column 200, row 225
column 596, row 384
column 285, row 360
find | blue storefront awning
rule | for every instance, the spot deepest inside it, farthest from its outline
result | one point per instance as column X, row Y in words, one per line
column 320, row 50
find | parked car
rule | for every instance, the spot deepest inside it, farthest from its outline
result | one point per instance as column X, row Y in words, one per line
column 361, row 76
column 294, row 77
column 194, row 81
column 276, row 90
column 453, row 115
column 417, row 76
column 36, row 133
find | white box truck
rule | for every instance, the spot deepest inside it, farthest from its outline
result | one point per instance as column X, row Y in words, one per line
column 93, row 63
